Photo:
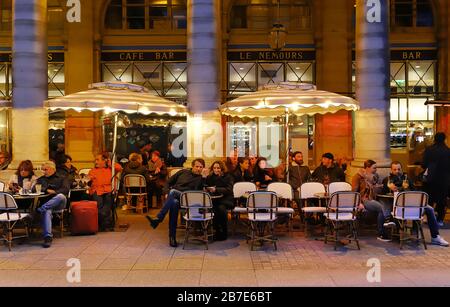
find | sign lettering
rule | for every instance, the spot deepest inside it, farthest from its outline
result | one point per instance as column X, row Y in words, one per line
column 374, row 12
column 145, row 56
column 271, row 55
column 74, row 13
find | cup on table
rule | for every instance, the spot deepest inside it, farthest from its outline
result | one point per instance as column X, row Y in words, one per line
column 38, row 188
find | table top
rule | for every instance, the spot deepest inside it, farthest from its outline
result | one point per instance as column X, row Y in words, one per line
column 29, row 196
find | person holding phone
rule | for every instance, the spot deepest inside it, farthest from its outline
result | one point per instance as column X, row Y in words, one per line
column 23, row 174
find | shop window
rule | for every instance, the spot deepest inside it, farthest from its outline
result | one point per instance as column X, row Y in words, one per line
column 421, row 77
column 56, row 80
column 270, row 73
column 242, row 78
column 161, row 78
column 3, row 80
column 113, row 19
column 398, row 78
column 238, row 17
column 299, row 72
column 412, row 13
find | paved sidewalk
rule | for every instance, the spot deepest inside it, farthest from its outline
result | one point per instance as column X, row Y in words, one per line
column 141, row 256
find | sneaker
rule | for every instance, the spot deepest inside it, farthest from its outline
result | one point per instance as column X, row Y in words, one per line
column 439, row 241
column 389, row 224
column 47, row 242
column 154, row 222
column 384, row 238
column 441, row 224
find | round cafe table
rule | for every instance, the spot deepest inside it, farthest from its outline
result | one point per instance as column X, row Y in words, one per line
column 34, row 196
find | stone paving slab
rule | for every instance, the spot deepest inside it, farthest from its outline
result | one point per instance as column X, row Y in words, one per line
column 141, row 256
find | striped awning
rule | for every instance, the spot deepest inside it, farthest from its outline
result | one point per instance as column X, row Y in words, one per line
column 286, row 97
column 117, row 96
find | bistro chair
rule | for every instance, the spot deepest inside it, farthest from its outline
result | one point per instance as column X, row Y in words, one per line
column 11, row 217
column 135, row 187
column 408, row 211
column 2, row 186
column 286, row 195
column 262, row 215
column 308, row 191
column 240, row 190
column 339, row 187
column 341, row 209
column 198, row 206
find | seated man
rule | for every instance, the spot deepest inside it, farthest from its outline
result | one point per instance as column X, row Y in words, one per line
column 328, row 171
column 397, row 182
column 298, row 173
column 365, row 182
column 184, row 180
column 58, row 188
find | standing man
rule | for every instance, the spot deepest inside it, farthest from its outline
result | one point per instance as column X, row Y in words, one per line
column 436, row 161
column 58, row 188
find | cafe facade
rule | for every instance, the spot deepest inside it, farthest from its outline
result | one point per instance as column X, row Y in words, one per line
column 147, row 42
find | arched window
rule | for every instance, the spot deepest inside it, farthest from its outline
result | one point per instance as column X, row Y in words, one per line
column 412, row 13
column 55, row 15
column 261, row 15
column 146, row 15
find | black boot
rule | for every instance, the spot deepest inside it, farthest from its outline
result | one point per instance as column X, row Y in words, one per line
column 173, row 242
column 154, row 221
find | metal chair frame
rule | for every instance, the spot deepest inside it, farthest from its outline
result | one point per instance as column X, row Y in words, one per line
column 8, row 205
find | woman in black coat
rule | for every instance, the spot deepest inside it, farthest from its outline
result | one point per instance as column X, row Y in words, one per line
column 220, row 182
column 242, row 171
column 261, row 174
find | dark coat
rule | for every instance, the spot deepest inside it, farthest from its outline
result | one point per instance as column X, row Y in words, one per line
column 398, row 181
column 61, row 185
column 298, row 174
column 224, row 186
column 185, row 180
column 437, row 160
column 334, row 173
column 71, row 173
column 259, row 176
column 239, row 176
column 135, row 168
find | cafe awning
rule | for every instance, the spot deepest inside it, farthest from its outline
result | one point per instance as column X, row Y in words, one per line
column 117, row 96
column 288, row 98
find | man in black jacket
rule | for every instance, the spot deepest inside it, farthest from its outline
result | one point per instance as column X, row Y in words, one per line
column 58, row 188
column 184, row 180
column 328, row 171
column 437, row 162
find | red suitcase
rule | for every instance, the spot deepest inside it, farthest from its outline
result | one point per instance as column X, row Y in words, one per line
column 84, row 217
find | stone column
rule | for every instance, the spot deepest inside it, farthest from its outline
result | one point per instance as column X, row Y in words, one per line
column 203, row 81
column 29, row 53
column 372, row 84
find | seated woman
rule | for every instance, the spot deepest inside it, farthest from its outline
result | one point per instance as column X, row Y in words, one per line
column 101, row 189
column 68, row 170
column 23, row 174
column 242, row 171
column 220, row 182
column 135, row 167
column 261, row 174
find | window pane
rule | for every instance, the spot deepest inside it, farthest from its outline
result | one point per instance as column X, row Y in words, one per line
column 2, row 80
column 242, row 78
column 113, row 19
column 136, row 17
column 55, row 80
column 179, row 17
column 417, row 109
column 424, row 14
column 300, row 72
column 175, row 79
column 270, row 73
column 421, row 77
column 239, row 17
column 149, row 75
column 404, row 13
column 117, row 72
column 398, row 78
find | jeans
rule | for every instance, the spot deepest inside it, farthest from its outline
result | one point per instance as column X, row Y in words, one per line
column 104, row 205
column 432, row 222
column 57, row 203
column 382, row 212
column 172, row 205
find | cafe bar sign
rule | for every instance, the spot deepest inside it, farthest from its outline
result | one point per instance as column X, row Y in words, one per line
column 291, row 55
column 154, row 56
column 51, row 57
